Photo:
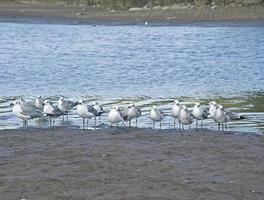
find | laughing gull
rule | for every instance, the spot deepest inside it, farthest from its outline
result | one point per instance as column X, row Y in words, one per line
column 65, row 105
column 99, row 110
column 156, row 115
column 25, row 111
column 199, row 114
column 85, row 111
column 132, row 112
column 220, row 117
column 39, row 104
column 115, row 116
column 212, row 108
column 175, row 110
column 185, row 117
column 51, row 111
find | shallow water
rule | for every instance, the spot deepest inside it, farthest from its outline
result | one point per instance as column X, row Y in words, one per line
column 144, row 64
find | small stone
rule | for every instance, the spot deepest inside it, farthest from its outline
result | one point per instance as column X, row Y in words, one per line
column 231, row 182
column 253, row 191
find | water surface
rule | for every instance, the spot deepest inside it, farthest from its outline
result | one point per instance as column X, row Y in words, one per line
column 144, row 64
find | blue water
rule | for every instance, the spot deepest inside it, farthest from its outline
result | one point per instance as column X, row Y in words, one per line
column 134, row 63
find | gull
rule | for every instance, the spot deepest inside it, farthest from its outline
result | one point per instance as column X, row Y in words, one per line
column 65, row 105
column 175, row 110
column 221, row 117
column 199, row 114
column 132, row 112
column 39, row 104
column 115, row 116
column 185, row 117
column 85, row 111
column 232, row 116
column 99, row 109
column 156, row 115
column 51, row 111
column 25, row 111
column 212, row 108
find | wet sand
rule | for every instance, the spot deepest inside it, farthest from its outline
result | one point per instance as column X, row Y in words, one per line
column 129, row 163
column 20, row 12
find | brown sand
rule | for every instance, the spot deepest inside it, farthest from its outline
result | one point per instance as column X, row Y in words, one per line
column 130, row 164
column 17, row 11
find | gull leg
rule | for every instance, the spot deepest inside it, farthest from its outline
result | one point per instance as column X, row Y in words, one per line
column 83, row 123
column 160, row 125
column 153, row 124
column 136, row 122
column 174, row 123
column 95, row 121
column 50, row 121
column 202, row 124
column 129, row 123
column 196, row 124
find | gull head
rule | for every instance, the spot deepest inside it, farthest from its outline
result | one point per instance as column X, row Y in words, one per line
column 61, row 98
column 95, row 103
column 80, row 102
column 16, row 102
column 176, row 102
column 46, row 102
column 131, row 105
column 212, row 103
column 38, row 97
column 221, row 107
column 184, row 108
column 197, row 104
column 154, row 107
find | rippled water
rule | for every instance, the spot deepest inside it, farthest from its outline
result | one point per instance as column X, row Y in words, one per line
column 145, row 64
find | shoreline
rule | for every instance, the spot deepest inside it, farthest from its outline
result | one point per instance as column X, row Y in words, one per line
column 79, row 14
column 131, row 163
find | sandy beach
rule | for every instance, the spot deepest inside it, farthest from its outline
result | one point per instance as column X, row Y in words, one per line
column 130, row 163
column 20, row 11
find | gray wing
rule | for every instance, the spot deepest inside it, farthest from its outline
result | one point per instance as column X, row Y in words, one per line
column 28, row 109
column 101, row 109
column 29, row 104
column 123, row 113
column 205, row 115
column 70, row 104
column 91, row 109
column 234, row 116
column 161, row 112
column 57, row 111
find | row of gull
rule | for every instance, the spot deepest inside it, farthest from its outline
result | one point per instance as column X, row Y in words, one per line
column 45, row 108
